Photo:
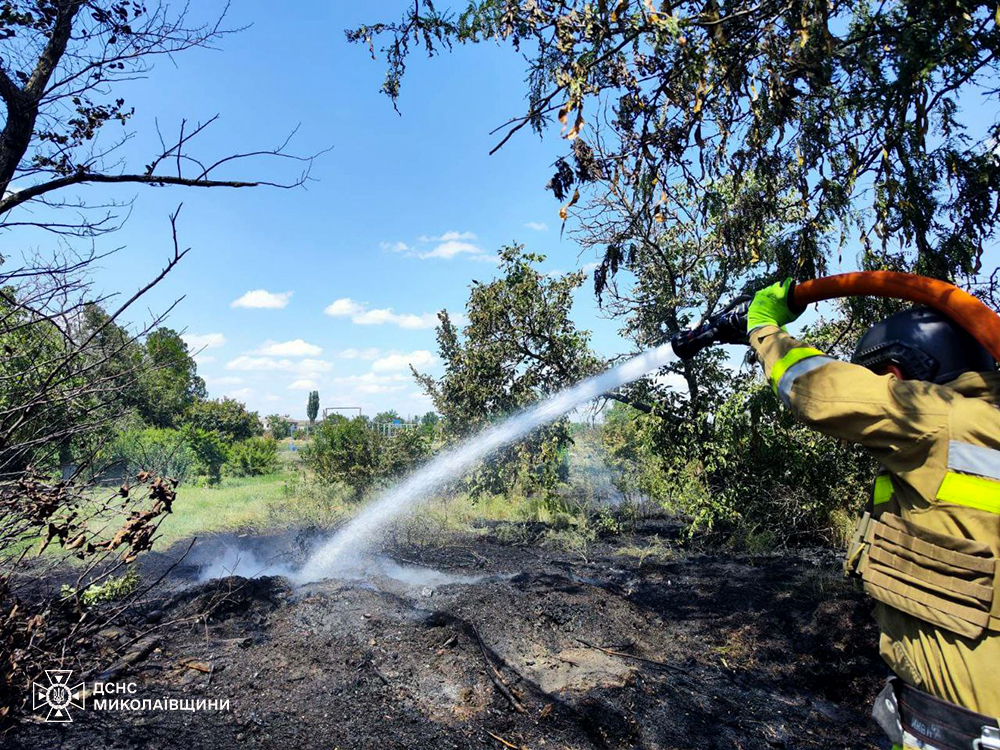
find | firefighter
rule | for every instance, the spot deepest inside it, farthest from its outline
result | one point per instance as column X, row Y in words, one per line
column 922, row 396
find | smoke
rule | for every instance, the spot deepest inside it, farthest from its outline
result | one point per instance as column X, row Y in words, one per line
column 234, row 561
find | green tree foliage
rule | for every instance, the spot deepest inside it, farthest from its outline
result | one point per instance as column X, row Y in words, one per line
column 278, row 427
column 519, row 346
column 226, row 416
column 254, row 457
column 354, row 453
column 211, row 451
column 312, row 406
column 171, row 384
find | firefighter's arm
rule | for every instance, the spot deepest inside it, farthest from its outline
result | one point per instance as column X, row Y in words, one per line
column 845, row 400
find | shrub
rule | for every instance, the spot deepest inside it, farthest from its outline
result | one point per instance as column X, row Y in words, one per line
column 114, row 589
column 163, row 452
column 210, row 451
column 278, row 426
column 349, row 451
column 254, row 457
column 749, row 469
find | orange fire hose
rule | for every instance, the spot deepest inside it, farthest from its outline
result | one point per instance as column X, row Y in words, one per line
column 969, row 312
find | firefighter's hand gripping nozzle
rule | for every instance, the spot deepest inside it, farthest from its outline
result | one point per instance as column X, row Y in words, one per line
column 726, row 327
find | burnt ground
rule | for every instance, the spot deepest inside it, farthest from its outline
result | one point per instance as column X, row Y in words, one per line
column 545, row 650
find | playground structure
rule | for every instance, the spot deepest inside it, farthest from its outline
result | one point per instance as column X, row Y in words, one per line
column 391, row 428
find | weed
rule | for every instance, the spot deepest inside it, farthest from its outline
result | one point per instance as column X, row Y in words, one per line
column 112, row 590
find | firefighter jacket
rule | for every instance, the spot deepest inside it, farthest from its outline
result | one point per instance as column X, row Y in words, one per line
column 927, row 551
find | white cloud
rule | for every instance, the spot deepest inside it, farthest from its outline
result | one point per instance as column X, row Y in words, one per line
column 395, row 247
column 450, row 248
column 452, row 244
column 204, row 359
column 263, row 299
column 376, row 388
column 242, row 393
column 372, row 383
column 538, row 226
column 200, row 341
column 453, row 235
column 393, row 362
column 248, row 364
column 367, row 354
column 372, row 377
column 271, row 397
column 492, row 259
column 343, row 307
column 293, row 348
column 303, row 385
column 588, row 267
column 386, row 315
column 362, row 316
column 448, row 237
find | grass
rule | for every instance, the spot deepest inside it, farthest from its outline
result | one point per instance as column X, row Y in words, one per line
column 235, row 503
column 289, row 497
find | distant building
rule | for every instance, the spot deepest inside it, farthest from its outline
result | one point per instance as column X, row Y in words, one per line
column 298, row 424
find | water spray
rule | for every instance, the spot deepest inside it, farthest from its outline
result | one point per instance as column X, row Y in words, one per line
column 344, row 549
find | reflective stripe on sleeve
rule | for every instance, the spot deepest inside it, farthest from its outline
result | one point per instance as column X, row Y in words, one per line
column 974, row 459
column 971, row 491
column 883, row 489
column 797, row 362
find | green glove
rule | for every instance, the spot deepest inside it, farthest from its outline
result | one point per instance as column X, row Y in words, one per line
column 770, row 306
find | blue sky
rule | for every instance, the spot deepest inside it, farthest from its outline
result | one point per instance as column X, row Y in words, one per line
column 334, row 287
column 423, row 180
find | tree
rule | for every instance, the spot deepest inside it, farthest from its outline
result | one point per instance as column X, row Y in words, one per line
column 63, row 62
column 519, row 346
column 278, row 426
column 312, row 406
column 714, row 147
column 72, row 371
column 227, row 417
column 829, row 121
column 171, row 384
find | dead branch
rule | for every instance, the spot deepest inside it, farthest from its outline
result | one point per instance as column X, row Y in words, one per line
column 623, row 655
column 496, row 677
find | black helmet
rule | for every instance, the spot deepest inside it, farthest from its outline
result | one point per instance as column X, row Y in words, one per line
column 924, row 344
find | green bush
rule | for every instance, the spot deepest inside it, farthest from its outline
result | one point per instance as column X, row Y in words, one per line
column 278, row 426
column 351, row 452
column 210, row 450
column 163, row 452
column 749, row 469
column 113, row 589
column 254, row 457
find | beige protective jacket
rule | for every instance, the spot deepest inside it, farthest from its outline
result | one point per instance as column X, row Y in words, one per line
column 928, row 551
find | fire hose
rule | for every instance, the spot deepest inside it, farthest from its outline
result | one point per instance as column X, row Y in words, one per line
column 964, row 309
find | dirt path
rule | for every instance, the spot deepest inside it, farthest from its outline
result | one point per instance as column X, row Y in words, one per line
column 543, row 650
